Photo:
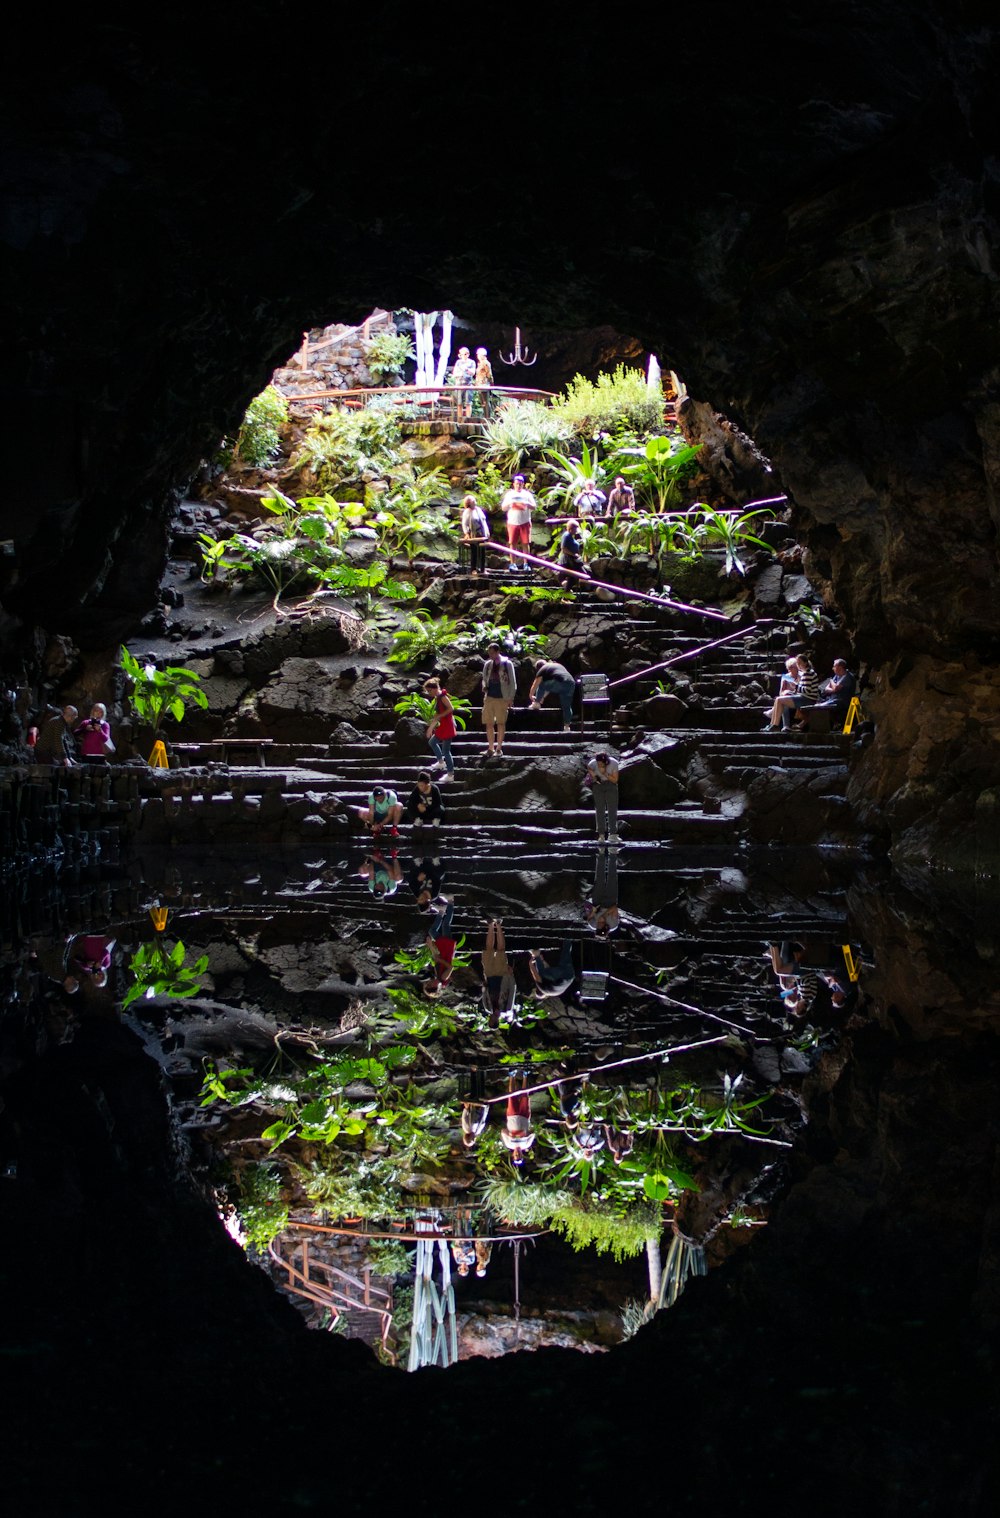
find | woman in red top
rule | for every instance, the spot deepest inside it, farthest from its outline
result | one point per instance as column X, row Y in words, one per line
column 441, row 729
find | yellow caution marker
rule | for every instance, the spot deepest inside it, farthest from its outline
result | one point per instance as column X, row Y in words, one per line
column 852, row 969
column 159, row 916
column 854, row 710
column 158, row 758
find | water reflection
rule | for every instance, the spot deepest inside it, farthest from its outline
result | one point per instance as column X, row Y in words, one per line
column 499, row 1060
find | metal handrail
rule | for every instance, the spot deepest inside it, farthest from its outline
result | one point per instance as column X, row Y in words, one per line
column 404, row 392
column 691, row 653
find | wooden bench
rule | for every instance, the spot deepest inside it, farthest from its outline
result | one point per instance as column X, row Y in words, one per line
column 229, row 746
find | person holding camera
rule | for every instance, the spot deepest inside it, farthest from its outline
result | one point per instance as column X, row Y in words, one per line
column 94, row 735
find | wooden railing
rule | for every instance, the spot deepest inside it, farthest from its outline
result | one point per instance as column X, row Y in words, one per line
column 434, row 400
column 329, row 1286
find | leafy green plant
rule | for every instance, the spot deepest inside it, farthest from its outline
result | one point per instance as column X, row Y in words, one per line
column 572, row 475
column 259, row 437
column 520, row 430
column 389, row 1257
column 490, row 488
column 658, row 468
column 262, row 1213
column 159, row 693
column 424, row 708
column 349, row 447
column 526, row 641
column 537, row 594
column 423, row 637
column 386, row 353
column 612, row 401
column 730, row 532
column 163, row 971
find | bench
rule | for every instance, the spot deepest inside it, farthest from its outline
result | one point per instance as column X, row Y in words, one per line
column 229, row 746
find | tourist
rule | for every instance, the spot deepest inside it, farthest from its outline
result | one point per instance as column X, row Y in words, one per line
column 603, row 773
column 95, row 735
column 90, row 955
column 475, row 532
column 424, row 807
column 440, row 945
column 383, row 810
column 484, row 382
column 838, row 692
column 383, row 875
column 601, row 911
column 587, row 1140
column 463, row 375
column 798, row 987
column 517, row 506
column 484, row 1250
column 552, row 973
column 552, row 679
column 591, row 500
column 805, row 693
column 619, row 1142
column 463, row 1252
column 517, row 1134
column 621, row 499
column 475, row 1111
column 499, row 985
column 499, row 690
column 56, row 742
column 571, row 548
column 441, row 729
column 425, row 878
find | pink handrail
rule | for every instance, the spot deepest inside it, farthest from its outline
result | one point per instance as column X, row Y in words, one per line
column 691, row 653
column 620, row 590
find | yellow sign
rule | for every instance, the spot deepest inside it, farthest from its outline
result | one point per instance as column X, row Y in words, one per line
column 854, row 710
column 158, row 758
column 159, row 916
column 852, row 969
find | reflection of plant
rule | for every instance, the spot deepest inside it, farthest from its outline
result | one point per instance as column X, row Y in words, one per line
column 160, row 971
column 422, row 637
column 158, row 693
column 386, row 353
column 584, row 1222
column 389, row 1257
column 424, row 708
column 258, row 438
column 261, row 1211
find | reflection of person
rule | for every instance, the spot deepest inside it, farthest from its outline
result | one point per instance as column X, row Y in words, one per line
column 499, row 986
column 383, row 875
column 56, row 743
column 603, row 772
column 552, row 973
column 475, row 1112
column 601, row 911
column 91, row 955
column 517, row 1134
column 619, row 1142
column 425, row 879
column 798, row 986
column 441, row 946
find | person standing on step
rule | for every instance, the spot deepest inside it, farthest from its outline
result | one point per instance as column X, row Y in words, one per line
column 517, row 506
column 441, row 729
column 383, row 810
column 499, row 690
column 571, row 549
column 441, row 946
column 517, row 1134
column 621, row 499
column 463, row 376
column 603, row 772
column 484, row 382
column 552, row 679
column 424, row 807
column 475, row 532
column 56, row 743
column 591, row 500
column 95, row 735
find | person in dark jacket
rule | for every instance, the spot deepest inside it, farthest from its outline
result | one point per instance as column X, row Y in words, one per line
column 56, row 742
column 424, row 806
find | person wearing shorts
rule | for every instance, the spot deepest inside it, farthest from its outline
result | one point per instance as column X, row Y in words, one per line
column 517, row 506
column 499, row 690
column 499, row 986
column 517, row 1134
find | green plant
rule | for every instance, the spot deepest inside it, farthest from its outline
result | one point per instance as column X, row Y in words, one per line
column 490, row 488
column 726, row 530
column 424, row 708
column 262, row 1213
column 536, row 594
column 159, row 693
column 389, row 1257
column 612, row 401
column 258, row 438
column 348, row 447
column 658, row 468
column 526, row 641
column 162, row 971
column 386, row 353
column 422, row 637
column 572, row 475
column 519, row 430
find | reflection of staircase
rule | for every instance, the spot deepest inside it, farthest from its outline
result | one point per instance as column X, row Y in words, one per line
column 367, row 1307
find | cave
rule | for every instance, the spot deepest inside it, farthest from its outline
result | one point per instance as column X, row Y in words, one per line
column 797, row 210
